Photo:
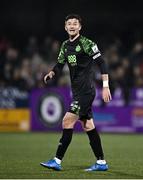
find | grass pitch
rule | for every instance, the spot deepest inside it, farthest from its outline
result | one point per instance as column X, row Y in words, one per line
column 21, row 153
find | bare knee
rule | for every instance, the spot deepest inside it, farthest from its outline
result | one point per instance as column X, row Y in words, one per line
column 88, row 125
column 69, row 121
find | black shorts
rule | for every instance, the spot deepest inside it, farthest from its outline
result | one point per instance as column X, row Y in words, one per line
column 82, row 105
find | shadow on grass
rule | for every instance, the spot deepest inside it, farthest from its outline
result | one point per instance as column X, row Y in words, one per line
column 67, row 169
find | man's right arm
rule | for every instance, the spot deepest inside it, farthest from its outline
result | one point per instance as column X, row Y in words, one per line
column 57, row 69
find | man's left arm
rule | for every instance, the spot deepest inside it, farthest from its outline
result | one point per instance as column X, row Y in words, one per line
column 92, row 50
column 106, row 95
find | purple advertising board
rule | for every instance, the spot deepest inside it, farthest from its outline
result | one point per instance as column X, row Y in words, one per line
column 48, row 107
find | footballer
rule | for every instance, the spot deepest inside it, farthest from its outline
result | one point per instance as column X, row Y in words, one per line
column 80, row 54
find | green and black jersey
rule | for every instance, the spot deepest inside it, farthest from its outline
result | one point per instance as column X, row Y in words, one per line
column 80, row 55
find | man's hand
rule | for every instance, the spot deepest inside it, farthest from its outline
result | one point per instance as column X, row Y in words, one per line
column 106, row 95
column 49, row 76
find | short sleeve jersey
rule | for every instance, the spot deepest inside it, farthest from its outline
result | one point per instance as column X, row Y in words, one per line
column 80, row 55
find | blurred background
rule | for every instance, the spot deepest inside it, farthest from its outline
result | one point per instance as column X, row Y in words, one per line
column 31, row 33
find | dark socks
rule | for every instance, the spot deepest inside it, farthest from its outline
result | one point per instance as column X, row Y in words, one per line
column 64, row 143
column 95, row 144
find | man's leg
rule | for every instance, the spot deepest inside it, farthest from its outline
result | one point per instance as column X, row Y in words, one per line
column 94, row 138
column 69, row 121
column 95, row 143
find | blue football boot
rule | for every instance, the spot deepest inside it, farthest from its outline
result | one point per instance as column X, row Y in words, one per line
column 98, row 167
column 51, row 164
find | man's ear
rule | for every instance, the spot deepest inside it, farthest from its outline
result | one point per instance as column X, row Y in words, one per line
column 65, row 28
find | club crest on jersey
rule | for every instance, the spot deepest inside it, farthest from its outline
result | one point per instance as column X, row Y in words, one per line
column 78, row 48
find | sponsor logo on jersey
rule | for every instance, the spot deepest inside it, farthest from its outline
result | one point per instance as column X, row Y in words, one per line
column 72, row 60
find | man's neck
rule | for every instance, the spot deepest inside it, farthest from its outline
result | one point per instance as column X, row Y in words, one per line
column 73, row 38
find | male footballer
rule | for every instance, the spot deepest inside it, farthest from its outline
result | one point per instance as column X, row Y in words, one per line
column 81, row 54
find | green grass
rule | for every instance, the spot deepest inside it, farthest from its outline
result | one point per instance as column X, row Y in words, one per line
column 21, row 153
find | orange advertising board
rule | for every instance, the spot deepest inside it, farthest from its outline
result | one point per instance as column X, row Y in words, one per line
column 14, row 120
